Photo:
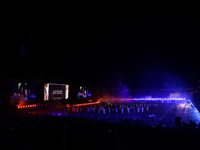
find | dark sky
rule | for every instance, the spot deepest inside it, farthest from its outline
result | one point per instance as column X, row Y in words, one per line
column 141, row 48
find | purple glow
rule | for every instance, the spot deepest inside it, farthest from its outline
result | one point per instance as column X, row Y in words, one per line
column 59, row 114
column 151, row 99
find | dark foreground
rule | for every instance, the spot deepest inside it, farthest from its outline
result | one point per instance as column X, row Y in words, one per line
column 53, row 132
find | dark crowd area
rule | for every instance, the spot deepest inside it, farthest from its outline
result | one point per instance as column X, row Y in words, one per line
column 58, row 132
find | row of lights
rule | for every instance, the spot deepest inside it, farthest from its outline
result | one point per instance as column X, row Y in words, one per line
column 86, row 104
column 26, row 106
column 196, row 110
column 151, row 99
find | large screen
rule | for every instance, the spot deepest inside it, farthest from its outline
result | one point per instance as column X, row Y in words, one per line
column 84, row 92
column 22, row 91
column 54, row 91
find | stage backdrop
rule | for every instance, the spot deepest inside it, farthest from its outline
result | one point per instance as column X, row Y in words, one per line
column 54, row 91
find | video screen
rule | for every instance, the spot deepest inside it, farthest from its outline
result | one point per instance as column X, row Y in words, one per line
column 22, row 91
column 55, row 91
column 84, row 92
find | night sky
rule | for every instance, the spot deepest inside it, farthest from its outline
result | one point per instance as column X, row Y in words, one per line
column 139, row 49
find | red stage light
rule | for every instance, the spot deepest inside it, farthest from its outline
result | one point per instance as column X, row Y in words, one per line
column 86, row 104
column 26, row 106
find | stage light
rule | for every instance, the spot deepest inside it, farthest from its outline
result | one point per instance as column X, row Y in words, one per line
column 26, row 106
column 151, row 99
column 59, row 114
column 84, row 104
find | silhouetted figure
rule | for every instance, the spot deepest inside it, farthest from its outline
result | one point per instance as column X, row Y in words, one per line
column 199, row 126
column 194, row 125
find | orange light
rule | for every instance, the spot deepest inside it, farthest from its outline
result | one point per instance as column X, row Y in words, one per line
column 25, row 106
column 86, row 104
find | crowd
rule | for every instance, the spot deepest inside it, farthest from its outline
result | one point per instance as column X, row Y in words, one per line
column 143, row 110
column 125, row 106
column 54, row 132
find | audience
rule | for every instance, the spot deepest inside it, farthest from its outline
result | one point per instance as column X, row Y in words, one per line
column 51, row 132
